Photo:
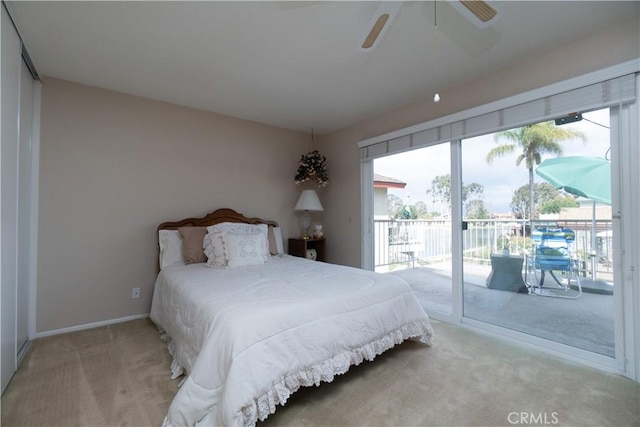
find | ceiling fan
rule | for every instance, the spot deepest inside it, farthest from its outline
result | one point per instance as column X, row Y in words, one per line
column 480, row 13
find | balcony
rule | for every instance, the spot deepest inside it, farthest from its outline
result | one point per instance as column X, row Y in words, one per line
column 403, row 243
column 419, row 251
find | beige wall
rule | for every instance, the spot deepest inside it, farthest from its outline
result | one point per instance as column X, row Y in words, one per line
column 114, row 166
column 341, row 217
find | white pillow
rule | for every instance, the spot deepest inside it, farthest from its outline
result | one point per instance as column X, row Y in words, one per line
column 244, row 249
column 214, row 245
column 170, row 248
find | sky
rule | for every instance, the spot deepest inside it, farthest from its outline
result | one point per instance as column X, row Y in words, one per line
column 500, row 179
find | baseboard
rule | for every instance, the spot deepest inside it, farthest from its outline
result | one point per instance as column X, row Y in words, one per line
column 23, row 351
column 90, row 325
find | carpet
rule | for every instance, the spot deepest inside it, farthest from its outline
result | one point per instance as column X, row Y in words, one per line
column 119, row 375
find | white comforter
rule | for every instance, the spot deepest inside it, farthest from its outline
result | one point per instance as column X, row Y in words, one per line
column 251, row 336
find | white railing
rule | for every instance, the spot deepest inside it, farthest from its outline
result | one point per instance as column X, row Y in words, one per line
column 418, row 242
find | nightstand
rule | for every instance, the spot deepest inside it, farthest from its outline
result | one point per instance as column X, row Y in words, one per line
column 299, row 247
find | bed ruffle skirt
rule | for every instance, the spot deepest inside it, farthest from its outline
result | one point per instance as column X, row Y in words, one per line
column 264, row 405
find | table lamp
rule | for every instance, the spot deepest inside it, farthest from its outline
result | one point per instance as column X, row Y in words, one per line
column 308, row 201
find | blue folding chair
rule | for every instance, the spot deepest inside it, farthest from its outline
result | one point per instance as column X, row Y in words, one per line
column 552, row 252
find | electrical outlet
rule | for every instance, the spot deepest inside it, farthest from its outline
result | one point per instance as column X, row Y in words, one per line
column 135, row 293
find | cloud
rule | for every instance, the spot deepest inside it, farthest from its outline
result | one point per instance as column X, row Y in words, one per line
column 500, row 179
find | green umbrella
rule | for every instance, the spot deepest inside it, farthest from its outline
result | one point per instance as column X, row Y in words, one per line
column 589, row 177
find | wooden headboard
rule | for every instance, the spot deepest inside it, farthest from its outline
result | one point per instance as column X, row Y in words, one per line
column 215, row 217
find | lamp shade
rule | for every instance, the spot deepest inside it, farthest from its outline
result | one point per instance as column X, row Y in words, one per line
column 309, row 201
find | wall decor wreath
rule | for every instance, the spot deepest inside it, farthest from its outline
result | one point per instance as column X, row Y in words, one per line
column 312, row 167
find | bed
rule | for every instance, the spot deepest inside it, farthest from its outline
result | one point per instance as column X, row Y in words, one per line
column 248, row 337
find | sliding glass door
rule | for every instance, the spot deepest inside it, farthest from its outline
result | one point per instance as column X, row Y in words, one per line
column 412, row 222
column 527, row 254
column 501, row 284
column 543, row 268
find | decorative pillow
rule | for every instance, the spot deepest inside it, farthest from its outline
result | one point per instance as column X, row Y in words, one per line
column 244, row 249
column 192, row 244
column 275, row 241
column 170, row 248
column 214, row 245
column 214, row 250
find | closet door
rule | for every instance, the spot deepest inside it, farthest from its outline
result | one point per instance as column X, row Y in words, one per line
column 25, row 173
column 11, row 70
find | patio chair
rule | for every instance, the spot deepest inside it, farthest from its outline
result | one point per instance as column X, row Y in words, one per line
column 552, row 252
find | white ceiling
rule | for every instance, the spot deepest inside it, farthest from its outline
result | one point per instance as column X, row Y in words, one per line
column 295, row 65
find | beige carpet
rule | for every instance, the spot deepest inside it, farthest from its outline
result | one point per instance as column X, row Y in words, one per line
column 119, row 375
column 112, row 375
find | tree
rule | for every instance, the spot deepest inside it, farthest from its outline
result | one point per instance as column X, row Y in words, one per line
column 395, row 205
column 472, row 204
column 555, row 205
column 399, row 210
column 473, row 189
column 532, row 141
column 441, row 192
column 421, row 209
column 408, row 212
column 476, row 210
column 542, row 193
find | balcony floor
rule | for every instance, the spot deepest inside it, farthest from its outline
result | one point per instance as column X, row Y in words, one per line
column 586, row 323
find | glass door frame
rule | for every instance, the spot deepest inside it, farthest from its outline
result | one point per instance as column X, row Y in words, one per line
column 624, row 139
column 606, row 363
column 615, row 364
column 368, row 234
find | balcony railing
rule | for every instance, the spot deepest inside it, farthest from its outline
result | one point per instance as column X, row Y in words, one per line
column 419, row 242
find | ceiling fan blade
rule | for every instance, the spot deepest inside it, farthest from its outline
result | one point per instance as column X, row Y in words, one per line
column 481, row 13
column 375, row 31
column 482, row 10
column 379, row 24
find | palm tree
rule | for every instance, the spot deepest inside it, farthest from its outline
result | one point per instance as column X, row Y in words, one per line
column 532, row 141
